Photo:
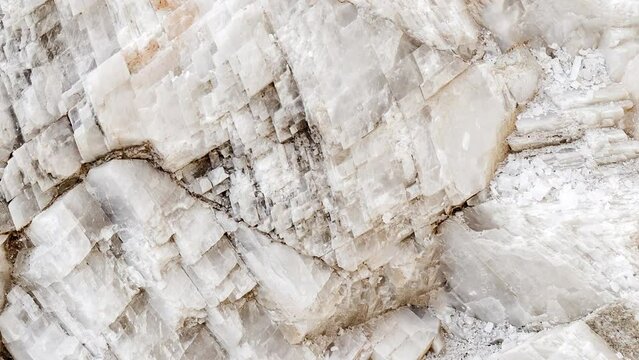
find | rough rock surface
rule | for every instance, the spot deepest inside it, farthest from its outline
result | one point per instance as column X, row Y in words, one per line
column 302, row 179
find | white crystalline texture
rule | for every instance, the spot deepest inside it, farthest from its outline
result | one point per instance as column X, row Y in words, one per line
column 63, row 236
column 515, row 257
column 575, row 341
column 550, row 240
column 475, row 103
column 278, row 179
column 518, row 21
column 31, row 334
column 35, row 170
column 399, row 334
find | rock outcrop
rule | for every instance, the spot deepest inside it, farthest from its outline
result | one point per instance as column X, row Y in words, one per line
column 277, row 179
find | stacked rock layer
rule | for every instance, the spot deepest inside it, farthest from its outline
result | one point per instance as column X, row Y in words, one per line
column 280, row 179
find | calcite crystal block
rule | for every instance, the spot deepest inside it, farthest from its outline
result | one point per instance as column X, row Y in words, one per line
column 586, row 285
column 63, row 235
column 441, row 25
column 475, row 103
column 399, row 334
column 301, row 179
column 515, row 22
column 575, row 341
column 29, row 333
column 32, row 176
column 520, row 253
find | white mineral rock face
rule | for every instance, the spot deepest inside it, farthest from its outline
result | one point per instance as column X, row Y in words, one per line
column 279, row 179
column 575, row 341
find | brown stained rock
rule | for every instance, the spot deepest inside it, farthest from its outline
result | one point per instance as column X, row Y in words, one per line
column 163, row 4
column 180, row 19
column 139, row 58
column 619, row 327
column 14, row 243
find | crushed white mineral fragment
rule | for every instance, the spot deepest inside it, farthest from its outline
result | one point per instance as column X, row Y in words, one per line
column 333, row 179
